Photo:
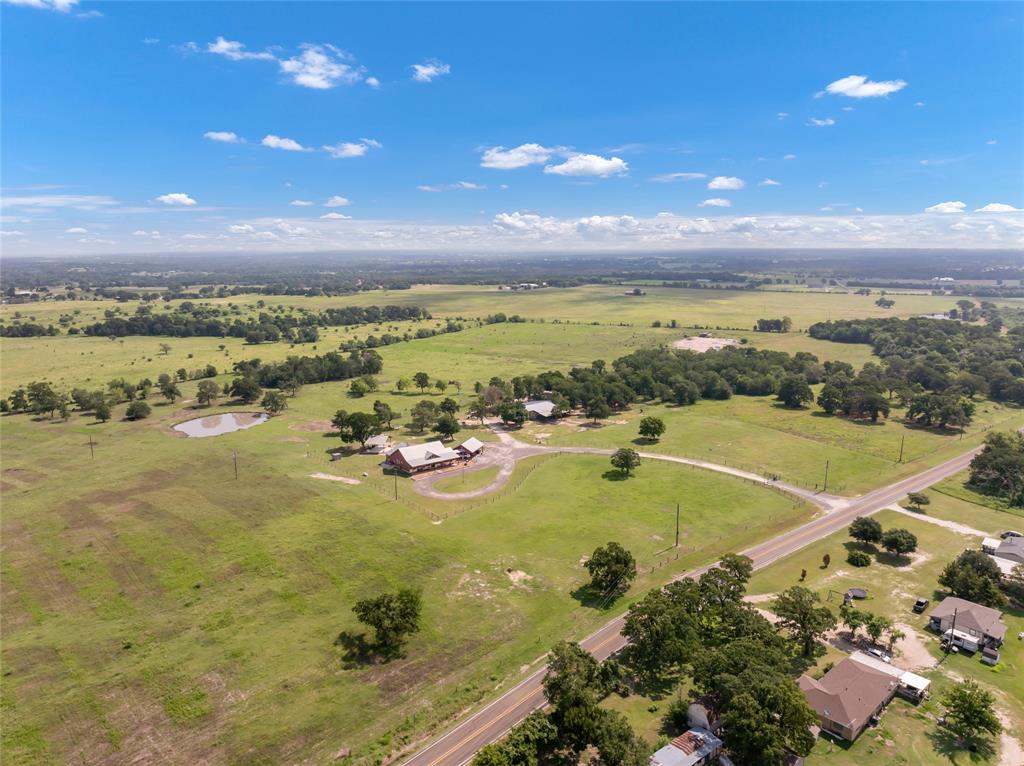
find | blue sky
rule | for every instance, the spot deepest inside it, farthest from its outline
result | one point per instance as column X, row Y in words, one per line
column 151, row 127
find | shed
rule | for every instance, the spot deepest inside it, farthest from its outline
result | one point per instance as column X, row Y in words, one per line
column 471, row 447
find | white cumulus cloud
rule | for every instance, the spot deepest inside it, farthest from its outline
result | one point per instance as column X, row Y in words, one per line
column 521, row 156
column 61, row 6
column 337, row 201
column 998, row 207
column 301, row 203
column 715, row 202
column 859, row 86
column 320, row 67
column 224, row 136
column 589, row 165
column 769, row 182
column 234, row 50
column 816, row 123
column 946, row 207
column 347, row 149
column 76, row 230
column 176, row 198
column 726, row 182
column 429, row 69
column 287, row 144
column 335, row 217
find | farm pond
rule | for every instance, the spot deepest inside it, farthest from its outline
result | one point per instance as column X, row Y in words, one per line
column 217, row 425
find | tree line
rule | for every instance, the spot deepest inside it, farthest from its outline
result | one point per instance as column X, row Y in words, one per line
column 189, row 320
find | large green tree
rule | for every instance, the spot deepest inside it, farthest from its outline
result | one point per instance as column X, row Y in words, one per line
column 393, row 617
column 800, row 612
column 625, row 460
column 356, row 426
column 970, row 710
column 899, row 541
column 866, row 530
column 794, row 391
column 974, row 576
column 999, row 468
column 652, row 427
column 612, row 568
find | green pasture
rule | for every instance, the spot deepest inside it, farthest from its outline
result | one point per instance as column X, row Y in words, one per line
column 759, row 435
column 154, row 603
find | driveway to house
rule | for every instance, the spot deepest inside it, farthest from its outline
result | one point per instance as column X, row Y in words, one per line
column 460, row 744
column 508, row 450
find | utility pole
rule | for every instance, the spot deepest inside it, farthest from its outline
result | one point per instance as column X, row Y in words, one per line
column 903, row 438
column 92, row 453
column 234, row 459
column 952, row 631
column 824, row 487
column 677, row 525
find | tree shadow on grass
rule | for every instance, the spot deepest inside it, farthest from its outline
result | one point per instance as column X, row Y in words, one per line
column 592, row 598
column 977, row 749
column 644, row 441
column 856, row 545
column 614, row 474
column 357, row 651
column 892, row 559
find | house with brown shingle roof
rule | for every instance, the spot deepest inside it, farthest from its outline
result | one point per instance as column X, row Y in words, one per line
column 848, row 697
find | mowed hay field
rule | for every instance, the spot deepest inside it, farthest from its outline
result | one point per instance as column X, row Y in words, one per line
column 156, row 610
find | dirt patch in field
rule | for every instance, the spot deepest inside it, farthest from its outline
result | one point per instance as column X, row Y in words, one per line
column 292, row 440
column 332, row 477
column 23, row 475
column 518, row 576
column 313, row 426
column 912, row 650
column 700, row 345
column 1010, row 751
column 150, row 737
column 42, row 580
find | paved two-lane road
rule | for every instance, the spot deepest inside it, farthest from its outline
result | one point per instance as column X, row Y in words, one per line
column 489, row 724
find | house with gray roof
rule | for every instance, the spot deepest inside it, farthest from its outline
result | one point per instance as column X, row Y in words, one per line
column 968, row 625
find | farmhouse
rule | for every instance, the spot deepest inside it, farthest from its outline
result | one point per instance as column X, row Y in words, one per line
column 422, row 457
column 911, row 685
column 540, row 409
column 694, row 748
column 968, row 625
column 848, row 697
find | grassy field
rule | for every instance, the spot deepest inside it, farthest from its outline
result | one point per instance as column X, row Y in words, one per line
column 466, row 481
column 156, row 610
column 757, row 434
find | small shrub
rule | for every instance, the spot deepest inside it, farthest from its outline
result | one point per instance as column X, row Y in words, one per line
column 858, row 559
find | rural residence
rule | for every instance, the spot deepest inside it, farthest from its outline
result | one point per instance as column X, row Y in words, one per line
column 694, row 748
column 848, row 697
column 540, row 409
column 967, row 625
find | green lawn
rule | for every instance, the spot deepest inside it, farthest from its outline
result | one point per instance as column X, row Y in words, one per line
column 466, row 481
